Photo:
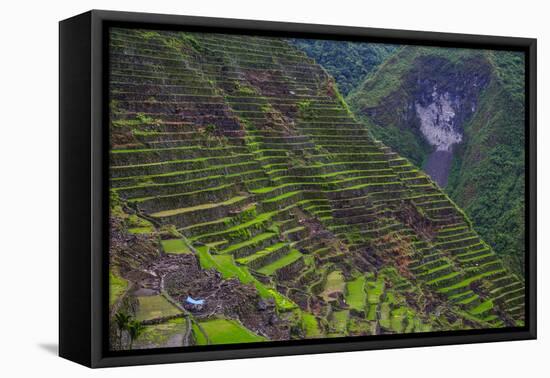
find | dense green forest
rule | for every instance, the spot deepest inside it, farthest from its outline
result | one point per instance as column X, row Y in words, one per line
column 488, row 176
column 348, row 62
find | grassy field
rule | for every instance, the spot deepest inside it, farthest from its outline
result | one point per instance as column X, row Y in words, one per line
column 224, row 331
column 141, row 230
column 335, row 283
column 339, row 322
column 200, row 337
column 169, row 334
column 356, row 295
column 311, row 326
column 225, row 264
column 485, row 306
column 117, row 286
column 155, row 306
column 374, row 290
column 176, row 246
column 276, row 265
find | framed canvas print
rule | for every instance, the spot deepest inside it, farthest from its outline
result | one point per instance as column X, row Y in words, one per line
column 234, row 188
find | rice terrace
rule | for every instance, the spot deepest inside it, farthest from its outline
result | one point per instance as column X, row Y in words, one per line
column 268, row 189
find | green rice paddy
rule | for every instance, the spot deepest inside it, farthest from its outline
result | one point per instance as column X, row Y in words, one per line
column 154, row 307
column 224, row 331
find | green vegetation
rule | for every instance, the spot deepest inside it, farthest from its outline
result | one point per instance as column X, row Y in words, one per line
column 486, row 178
column 335, row 284
column 205, row 206
column 121, row 320
column 255, row 240
column 339, row 323
column 176, row 246
column 126, row 326
column 311, row 326
column 117, row 287
column 248, row 203
column 223, row 331
column 282, row 262
column 137, row 225
column 393, row 86
column 135, row 330
column 375, row 290
column 356, row 295
column 349, row 63
column 200, row 337
column 169, row 334
column 154, row 307
column 483, row 307
column 225, row 264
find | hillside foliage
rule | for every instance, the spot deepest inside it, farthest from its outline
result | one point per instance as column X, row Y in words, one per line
column 488, row 170
column 488, row 177
column 348, row 62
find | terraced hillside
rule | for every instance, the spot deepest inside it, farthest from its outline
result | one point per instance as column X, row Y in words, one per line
column 249, row 205
column 460, row 114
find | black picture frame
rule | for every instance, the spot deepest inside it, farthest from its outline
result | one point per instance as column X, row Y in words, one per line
column 83, row 196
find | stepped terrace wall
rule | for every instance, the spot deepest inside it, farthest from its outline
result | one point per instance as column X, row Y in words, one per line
column 241, row 148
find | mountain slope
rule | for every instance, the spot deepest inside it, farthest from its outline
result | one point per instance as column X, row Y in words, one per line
column 239, row 177
column 460, row 116
column 348, row 62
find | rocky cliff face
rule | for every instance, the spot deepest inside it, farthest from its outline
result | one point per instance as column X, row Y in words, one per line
column 437, row 121
column 434, row 100
column 439, row 128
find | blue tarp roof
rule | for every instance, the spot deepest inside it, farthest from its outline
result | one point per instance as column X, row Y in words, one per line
column 194, row 301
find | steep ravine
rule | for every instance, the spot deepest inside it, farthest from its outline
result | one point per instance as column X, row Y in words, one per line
column 435, row 98
column 440, row 130
column 459, row 115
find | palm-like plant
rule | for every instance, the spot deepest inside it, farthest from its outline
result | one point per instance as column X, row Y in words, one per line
column 135, row 329
column 122, row 321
